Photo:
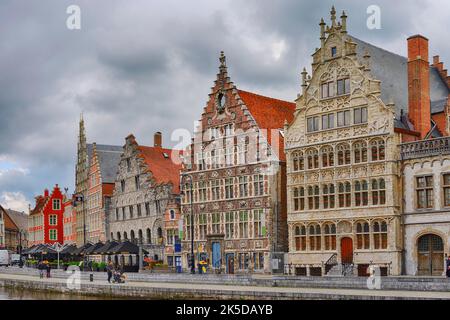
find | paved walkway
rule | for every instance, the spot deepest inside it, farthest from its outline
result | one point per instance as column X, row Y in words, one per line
column 251, row 291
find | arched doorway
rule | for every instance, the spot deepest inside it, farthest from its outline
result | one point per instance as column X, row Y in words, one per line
column 430, row 249
column 347, row 250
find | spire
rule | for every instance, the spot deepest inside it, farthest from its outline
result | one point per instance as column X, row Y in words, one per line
column 304, row 83
column 344, row 22
column 322, row 30
column 333, row 17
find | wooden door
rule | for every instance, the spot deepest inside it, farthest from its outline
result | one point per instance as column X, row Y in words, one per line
column 430, row 258
column 347, row 250
column 230, row 263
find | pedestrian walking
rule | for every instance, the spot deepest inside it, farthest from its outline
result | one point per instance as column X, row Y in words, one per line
column 41, row 269
column 109, row 270
column 48, row 267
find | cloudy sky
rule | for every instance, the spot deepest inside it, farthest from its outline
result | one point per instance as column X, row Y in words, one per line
column 145, row 65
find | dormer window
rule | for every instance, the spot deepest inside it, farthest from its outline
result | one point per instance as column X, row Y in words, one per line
column 333, row 52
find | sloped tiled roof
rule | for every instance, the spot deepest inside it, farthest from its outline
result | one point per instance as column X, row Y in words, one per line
column 109, row 158
column 9, row 223
column 392, row 70
column 269, row 113
column 40, row 204
column 20, row 219
column 164, row 170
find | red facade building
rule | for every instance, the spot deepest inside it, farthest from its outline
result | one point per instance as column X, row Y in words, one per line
column 45, row 223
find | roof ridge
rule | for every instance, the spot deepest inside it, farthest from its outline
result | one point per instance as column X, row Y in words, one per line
column 372, row 45
column 263, row 96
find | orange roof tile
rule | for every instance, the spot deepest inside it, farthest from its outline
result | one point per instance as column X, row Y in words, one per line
column 164, row 169
column 40, row 204
column 9, row 223
column 269, row 113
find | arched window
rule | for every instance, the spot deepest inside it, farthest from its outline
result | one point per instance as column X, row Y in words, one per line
column 313, row 159
column 330, row 236
column 380, row 234
column 378, row 192
column 328, row 196
column 112, row 236
column 361, row 193
column 343, row 153
column 141, row 236
column 377, row 148
column 314, row 237
column 149, row 236
column 362, row 235
column 299, row 198
column 298, row 162
column 313, row 197
column 118, row 236
column 300, row 238
column 360, row 152
column 327, row 157
column 125, row 236
column 345, row 194
column 133, row 237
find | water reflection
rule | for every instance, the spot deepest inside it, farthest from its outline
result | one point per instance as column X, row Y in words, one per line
column 19, row 294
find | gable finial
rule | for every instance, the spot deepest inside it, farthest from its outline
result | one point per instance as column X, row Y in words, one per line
column 333, row 16
column 322, row 30
column 223, row 59
column 344, row 22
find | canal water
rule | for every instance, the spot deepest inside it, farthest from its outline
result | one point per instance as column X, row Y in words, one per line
column 19, row 294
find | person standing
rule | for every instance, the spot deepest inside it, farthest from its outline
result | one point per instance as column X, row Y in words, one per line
column 109, row 270
column 41, row 269
column 48, row 269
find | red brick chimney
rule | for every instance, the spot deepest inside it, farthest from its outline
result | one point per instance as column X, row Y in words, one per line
column 158, row 139
column 419, row 85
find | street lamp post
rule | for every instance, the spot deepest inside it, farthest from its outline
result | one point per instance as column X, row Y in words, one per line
column 80, row 198
column 183, row 178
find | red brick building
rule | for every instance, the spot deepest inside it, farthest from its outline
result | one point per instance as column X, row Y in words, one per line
column 238, row 170
column 45, row 223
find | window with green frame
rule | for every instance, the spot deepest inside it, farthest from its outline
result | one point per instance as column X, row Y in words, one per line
column 52, row 219
column 53, row 234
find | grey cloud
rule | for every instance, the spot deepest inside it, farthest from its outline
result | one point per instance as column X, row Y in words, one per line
column 142, row 66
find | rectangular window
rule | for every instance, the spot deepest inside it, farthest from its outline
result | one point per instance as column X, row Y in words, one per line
column 333, row 51
column 447, row 190
column 53, row 219
column 147, row 208
column 328, row 121
column 243, row 187
column 202, row 224
column 215, row 223
column 243, row 224
column 53, row 234
column 343, row 86
column 343, row 118
column 215, row 189
column 122, row 185
column 56, row 204
column 360, row 115
column 229, row 130
column 229, row 188
column 202, row 191
column 313, row 124
column 327, row 90
column 257, row 223
column 424, row 191
column 229, row 225
column 258, row 185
